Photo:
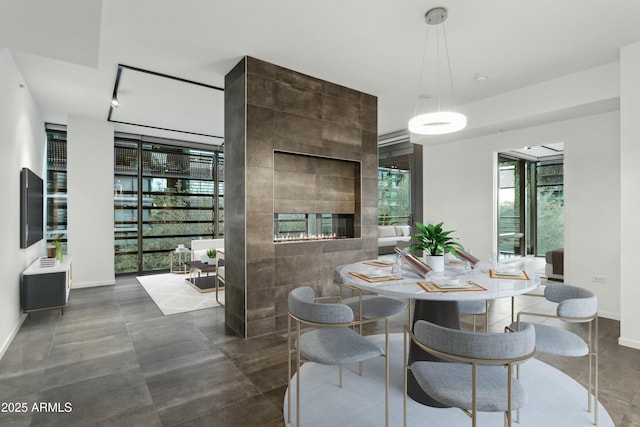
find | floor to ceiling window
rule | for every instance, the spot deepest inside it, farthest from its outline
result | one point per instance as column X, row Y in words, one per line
column 550, row 206
column 56, row 185
column 394, row 203
column 164, row 195
column 530, row 201
column 399, row 183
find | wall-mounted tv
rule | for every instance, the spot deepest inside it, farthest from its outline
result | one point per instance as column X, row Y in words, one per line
column 31, row 208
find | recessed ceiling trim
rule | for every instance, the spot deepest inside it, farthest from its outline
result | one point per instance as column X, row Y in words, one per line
column 167, row 129
column 115, row 94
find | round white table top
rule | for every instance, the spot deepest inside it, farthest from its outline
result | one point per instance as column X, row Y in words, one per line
column 408, row 286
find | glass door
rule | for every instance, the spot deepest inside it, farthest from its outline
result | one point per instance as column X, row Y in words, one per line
column 511, row 207
column 530, row 202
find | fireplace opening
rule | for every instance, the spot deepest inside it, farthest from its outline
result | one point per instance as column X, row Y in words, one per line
column 296, row 227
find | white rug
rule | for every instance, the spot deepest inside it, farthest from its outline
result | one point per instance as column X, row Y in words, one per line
column 173, row 295
column 555, row 399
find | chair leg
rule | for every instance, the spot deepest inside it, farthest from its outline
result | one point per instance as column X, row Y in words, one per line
column 486, row 316
column 509, row 391
column 513, row 309
column 595, row 356
column 590, row 362
column 518, row 378
column 386, row 373
column 298, row 376
column 474, row 397
column 289, row 370
column 404, row 377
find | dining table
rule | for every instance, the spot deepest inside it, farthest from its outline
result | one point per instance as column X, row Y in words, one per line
column 436, row 295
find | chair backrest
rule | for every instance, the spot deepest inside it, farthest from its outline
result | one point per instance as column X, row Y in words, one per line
column 492, row 346
column 302, row 305
column 573, row 301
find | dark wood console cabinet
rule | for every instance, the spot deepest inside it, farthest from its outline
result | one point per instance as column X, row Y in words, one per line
column 45, row 288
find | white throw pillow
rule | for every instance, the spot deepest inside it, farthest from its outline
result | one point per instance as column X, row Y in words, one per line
column 386, row 231
column 403, row 230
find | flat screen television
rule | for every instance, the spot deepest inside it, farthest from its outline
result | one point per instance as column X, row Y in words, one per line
column 31, row 208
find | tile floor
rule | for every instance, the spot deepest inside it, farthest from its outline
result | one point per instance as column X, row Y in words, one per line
column 118, row 361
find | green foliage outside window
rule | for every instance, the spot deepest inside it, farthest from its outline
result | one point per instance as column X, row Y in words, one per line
column 393, row 196
column 550, row 219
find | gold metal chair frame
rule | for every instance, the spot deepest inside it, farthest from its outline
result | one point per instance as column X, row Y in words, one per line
column 592, row 344
column 486, row 317
column 296, row 350
column 357, row 291
column 508, row 363
column 219, row 278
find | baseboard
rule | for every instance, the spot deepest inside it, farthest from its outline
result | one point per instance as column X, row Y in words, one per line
column 12, row 335
column 629, row 343
column 607, row 315
column 92, row 284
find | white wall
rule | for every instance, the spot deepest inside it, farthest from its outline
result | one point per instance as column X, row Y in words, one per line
column 90, row 201
column 22, row 142
column 630, row 206
column 459, row 189
column 552, row 100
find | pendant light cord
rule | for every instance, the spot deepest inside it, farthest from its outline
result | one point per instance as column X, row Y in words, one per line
column 446, row 49
column 438, row 65
column 424, row 56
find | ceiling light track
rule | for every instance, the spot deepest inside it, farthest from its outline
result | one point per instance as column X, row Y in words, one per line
column 115, row 101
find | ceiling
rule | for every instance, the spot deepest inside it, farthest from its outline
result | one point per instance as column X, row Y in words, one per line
column 68, row 51
column 537, row 153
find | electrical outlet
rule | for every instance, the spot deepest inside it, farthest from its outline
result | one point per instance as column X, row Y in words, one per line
column 598, row 279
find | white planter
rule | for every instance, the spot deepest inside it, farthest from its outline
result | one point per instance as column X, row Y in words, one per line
column 207, row 260
column 436, row 262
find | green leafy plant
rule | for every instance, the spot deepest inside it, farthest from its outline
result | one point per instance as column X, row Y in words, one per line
column 211, row 253
column 434, row 239
column 58, row 247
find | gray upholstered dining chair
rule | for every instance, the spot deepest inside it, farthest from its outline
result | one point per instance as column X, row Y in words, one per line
column 475, row 308
column 331, row 341
column 474, row 379
column 574, row 305
column 369, row 307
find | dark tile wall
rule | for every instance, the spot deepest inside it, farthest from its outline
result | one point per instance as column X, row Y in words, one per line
column 311, row 184
column 234, row 125
column 289, row 112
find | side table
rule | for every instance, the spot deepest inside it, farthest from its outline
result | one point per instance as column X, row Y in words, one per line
column 206, row 283
column 181, row 254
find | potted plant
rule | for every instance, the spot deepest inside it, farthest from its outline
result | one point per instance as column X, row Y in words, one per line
column 436, row 242
column 58, row 247
column 210, row 257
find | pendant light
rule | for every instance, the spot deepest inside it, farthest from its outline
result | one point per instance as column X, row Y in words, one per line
column 438, row 122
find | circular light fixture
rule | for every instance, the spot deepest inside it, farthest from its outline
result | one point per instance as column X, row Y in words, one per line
column 438, row 123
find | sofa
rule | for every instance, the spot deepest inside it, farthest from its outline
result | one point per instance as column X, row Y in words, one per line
column 201, row 246
column 390, row 236
column 554, row 269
